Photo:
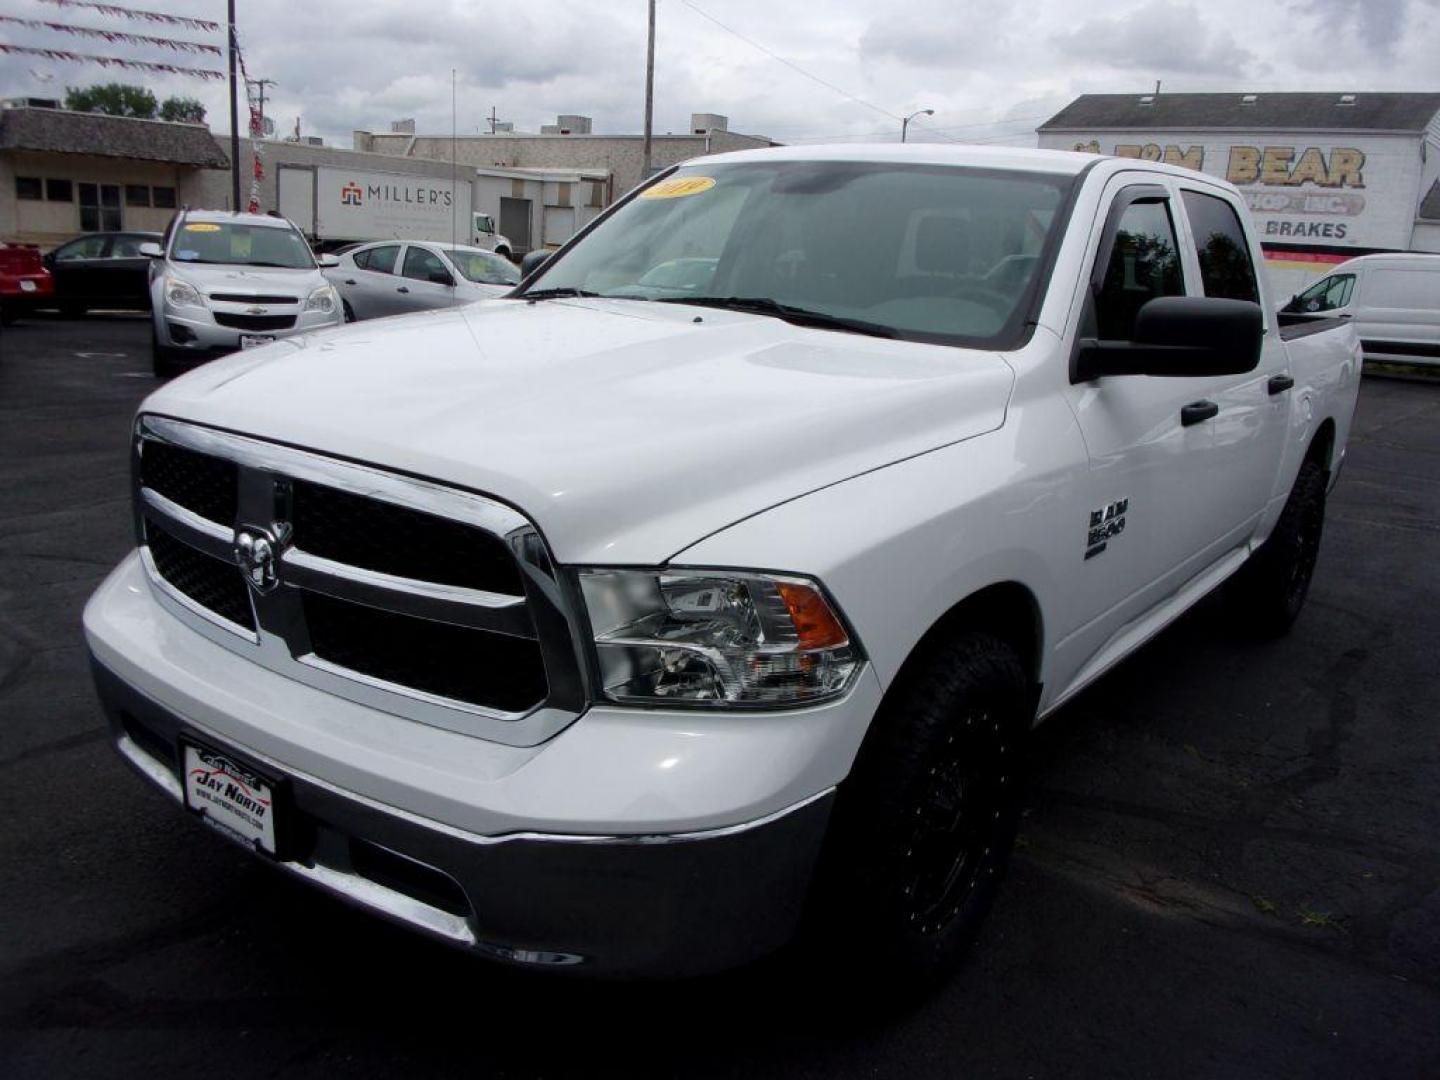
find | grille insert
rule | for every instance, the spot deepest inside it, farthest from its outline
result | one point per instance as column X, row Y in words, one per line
column 377, row 535
column 254, row 322
column 212, row 583
column 473, row 666
column 242, row 298
column 205, row 485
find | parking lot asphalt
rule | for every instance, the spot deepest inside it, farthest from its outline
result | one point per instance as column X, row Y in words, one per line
column 1230, row 864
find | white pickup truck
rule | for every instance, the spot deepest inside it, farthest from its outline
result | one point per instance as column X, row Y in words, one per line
column 708, row 587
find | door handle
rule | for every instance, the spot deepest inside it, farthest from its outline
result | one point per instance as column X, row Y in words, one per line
column 1197, row 412
column 349, row 281
column 403, row 288
column 1278, row 384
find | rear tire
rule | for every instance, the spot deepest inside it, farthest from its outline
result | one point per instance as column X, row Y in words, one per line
column 924, row 825
column 1271, row 588
column 73, row 309
column 8, row 314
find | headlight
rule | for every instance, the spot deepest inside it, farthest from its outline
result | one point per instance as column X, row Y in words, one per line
column 180, row 293
column 716, row 637
column 323, row 300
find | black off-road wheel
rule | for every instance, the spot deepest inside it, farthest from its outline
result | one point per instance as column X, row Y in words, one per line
column 1271, row 588
column 924, row 825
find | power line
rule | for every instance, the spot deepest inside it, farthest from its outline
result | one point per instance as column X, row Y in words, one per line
column 790, row 64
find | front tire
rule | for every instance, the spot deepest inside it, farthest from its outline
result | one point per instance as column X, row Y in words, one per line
column 162, row 360
column 925, row 823
column 348, row 311
column 1271, row 588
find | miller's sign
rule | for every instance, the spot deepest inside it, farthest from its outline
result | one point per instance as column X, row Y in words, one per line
column 359, row 204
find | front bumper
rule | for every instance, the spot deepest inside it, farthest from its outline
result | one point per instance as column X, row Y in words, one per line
column 195, row 330
column 632, row 843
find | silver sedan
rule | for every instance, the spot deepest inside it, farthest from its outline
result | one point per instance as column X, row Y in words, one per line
column 390, row 277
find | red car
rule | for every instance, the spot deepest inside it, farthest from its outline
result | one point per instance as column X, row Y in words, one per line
column 24, row 282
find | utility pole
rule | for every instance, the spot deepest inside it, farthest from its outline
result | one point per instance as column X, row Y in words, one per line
column 234, row 121
column 260, row 85
column 649, row 91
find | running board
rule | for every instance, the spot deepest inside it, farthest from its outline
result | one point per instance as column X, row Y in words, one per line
column 1131, row 636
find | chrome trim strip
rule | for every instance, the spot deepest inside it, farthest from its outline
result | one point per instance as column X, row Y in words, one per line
column 150, row 767
column 199, row 532
column 386, row 901
column 189, row 606
column 445, row 502
column 495, row 612
column 320, row 664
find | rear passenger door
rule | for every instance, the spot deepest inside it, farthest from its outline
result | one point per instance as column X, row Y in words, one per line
column 428, row 282
column 369, row 288
column 1254, row 414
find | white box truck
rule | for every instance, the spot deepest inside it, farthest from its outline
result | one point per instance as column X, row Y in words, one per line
column 335, row 206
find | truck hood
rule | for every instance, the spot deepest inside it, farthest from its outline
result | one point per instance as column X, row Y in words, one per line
column 625, row 430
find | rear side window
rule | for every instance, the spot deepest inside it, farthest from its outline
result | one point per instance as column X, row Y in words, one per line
column 381, row 260
column 1327, row 294
column 1225, row 267
column 1414, row 289
column 1144, row 263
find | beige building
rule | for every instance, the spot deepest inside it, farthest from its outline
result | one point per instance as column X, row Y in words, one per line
column 63, row 173
column 569, row 145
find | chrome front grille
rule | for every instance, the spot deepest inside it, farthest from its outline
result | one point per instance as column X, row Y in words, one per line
column 427, row 601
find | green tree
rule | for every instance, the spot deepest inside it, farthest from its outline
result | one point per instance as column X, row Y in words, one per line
column 182, row 110
column 117, row 99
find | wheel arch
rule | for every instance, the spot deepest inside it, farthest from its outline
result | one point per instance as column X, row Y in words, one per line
column 1322, row 445
column 1008, row 609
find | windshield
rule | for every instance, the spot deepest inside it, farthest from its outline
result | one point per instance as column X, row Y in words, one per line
column 233, row 244
column 924, row 252
column 485, row 269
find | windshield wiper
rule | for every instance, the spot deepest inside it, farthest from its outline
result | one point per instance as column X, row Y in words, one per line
column 763, row 305
column 550, row 294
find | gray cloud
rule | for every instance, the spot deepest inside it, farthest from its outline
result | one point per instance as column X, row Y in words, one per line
column 1159, row 39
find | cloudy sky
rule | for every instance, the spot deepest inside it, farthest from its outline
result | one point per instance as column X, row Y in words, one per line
column 991, row 69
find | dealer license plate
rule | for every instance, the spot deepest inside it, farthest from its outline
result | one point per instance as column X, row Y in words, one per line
column 250, row 341
column 231, row 796
column 27, row 286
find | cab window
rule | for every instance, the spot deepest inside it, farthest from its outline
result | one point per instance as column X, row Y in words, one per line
column 1327, row 294
column 1225, row 267
column 424, row 265
column 1144, row 263
column 87, row 247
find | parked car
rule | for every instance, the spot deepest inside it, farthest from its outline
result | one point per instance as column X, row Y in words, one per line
column 102, row 270
column 390, row 277
column 25, row 284
column 1392, row 300
column 223, row 281
column 621, row 632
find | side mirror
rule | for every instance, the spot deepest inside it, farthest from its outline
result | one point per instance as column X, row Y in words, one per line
column 152, row 250
column 533, row 261
column 1179, row 336
column 326, row 261
column 441, row 277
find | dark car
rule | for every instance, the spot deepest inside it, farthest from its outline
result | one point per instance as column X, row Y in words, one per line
column 102, row 270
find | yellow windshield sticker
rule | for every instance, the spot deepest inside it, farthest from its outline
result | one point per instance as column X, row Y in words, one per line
column 202, row 226
column 677, row 187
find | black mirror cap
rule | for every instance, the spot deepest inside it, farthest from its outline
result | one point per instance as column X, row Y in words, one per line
column 440, row 277
column 1180, row 336
column 532, row 261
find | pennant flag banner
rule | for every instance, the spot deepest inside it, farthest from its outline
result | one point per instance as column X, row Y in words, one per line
column 115, row 11
column 257, row 131
column 114, row 37
column 111, row 61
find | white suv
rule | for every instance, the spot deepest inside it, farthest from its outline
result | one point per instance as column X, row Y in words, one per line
column 224, row 281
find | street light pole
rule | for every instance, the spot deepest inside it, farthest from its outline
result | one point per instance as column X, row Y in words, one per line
column 649, row 90
column 905, row 124
column 234, row 120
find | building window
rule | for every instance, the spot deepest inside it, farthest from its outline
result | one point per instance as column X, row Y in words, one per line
column 100, row 208
column 137, row 195
column 27, row 187
column 59, row 191
column 164, row 198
